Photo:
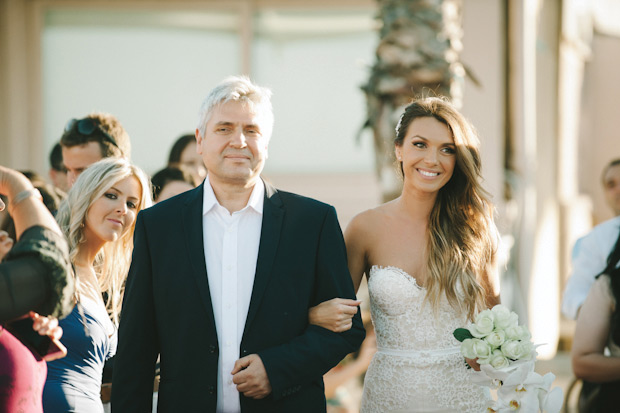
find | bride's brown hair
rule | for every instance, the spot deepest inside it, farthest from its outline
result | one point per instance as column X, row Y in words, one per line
column 462, row 234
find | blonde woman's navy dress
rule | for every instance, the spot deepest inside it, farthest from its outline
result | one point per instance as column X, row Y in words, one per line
column 74, row 382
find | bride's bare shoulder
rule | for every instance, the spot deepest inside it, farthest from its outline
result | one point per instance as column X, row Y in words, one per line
column 368, row 221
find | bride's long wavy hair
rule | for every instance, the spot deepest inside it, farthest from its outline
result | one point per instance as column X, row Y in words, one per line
column 461, row 231
column 112, row 261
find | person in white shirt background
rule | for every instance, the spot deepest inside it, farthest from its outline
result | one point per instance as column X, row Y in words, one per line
column 589, row 256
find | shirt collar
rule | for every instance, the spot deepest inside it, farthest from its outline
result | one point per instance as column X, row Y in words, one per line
column 256, row 200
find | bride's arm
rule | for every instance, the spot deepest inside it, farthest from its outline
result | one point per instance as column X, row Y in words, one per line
column 336, row 314
column 356, row 239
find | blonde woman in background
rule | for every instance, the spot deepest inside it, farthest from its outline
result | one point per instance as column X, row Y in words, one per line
column 429, row 259
column 98, row 219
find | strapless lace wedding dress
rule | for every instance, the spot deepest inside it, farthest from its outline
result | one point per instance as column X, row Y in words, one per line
column 418, row 366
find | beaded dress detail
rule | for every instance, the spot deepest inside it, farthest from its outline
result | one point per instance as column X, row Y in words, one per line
column 418, row 366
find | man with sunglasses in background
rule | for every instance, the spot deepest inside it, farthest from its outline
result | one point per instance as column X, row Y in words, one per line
column 90, row 139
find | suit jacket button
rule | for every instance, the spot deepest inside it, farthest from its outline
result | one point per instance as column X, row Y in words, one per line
column 245, row 351
column 212, row 349
column 211, row 389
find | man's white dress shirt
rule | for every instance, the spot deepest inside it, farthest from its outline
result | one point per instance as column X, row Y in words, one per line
column 231, row 244
column 589, row 258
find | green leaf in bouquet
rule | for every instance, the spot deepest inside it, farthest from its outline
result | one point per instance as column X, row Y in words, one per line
column 461, row 334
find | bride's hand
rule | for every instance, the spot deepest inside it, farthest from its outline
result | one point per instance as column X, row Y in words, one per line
column 473, row 363
column 335, row 314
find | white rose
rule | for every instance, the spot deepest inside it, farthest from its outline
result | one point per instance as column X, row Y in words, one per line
column 518, row 333
column 524, row 334
column 496, row 338
column 497, row 360
column 467, row 348
column 483, row 324
column 528, row 351
column 475, row 332
column 511, row 349
column 481, row 349
column 484, row 360
column 504, row 318
column 513, row 333
column 516, row 350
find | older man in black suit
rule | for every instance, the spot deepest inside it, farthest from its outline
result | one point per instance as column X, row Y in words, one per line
column 223, row 276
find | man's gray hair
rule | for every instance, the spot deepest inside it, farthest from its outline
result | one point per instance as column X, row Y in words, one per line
column 239, row 89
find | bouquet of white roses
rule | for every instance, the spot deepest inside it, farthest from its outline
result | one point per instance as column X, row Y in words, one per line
column 506, row 355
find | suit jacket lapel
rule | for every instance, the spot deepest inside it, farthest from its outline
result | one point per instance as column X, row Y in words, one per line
column 273, row 216
column 192, row 225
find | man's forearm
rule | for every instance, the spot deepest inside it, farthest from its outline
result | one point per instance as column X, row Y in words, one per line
column 306, row 358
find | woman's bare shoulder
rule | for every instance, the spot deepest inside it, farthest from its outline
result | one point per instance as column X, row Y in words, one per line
column 367, row 223
column 369, row 218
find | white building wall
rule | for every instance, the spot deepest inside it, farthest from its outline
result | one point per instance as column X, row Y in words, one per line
column 154, row 75
column 599, row 140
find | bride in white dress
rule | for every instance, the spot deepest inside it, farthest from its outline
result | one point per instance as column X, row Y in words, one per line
column 429, row 259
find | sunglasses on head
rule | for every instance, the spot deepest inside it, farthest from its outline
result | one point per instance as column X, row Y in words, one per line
column 87, row 127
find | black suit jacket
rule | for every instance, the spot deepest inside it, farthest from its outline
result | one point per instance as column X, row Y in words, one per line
column 167, row 308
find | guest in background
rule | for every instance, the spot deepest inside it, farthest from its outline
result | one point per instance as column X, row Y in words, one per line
column 58, row 172
column 590, row 252
column 51, row 197
column 34, row 277
column 84, row 142
column 6, row 243
column 184, row 153
column 172, row 181
column 87, row 140
column 611, row 185
column 596, row 346
column 98, row 219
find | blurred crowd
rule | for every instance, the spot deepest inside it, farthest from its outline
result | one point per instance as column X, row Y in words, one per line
column 95, row 193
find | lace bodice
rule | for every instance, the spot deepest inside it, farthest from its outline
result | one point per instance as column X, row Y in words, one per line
column 402, row 320
column 418, row 366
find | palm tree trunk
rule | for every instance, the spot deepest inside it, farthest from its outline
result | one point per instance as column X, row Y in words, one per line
column 417, row 55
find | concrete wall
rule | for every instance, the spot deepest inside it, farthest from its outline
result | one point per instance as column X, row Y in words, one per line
column 152, row 68
column 599, row 137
